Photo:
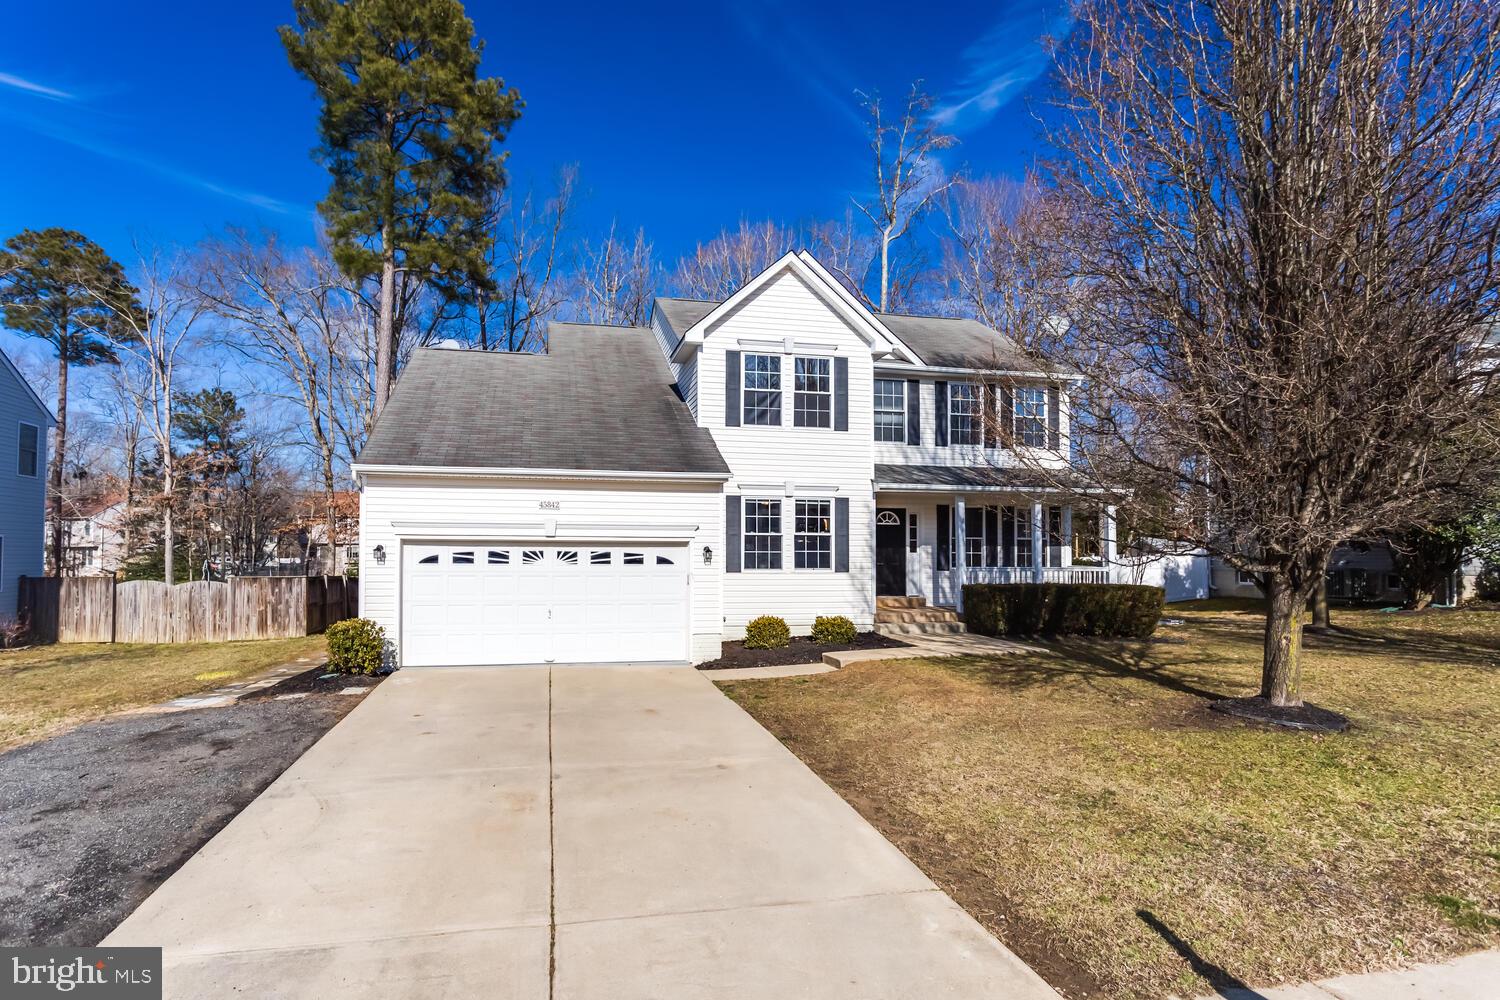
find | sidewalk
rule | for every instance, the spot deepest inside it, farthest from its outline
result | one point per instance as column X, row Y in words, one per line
column 1473, row 977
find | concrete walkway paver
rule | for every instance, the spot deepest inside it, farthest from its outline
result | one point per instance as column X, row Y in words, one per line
column 565, row 833
column 1472, row 977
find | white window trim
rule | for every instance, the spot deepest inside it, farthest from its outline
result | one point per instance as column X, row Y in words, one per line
column 831, row 533
column 1017, row 417
column 745, row 389
column 39, row 445
column 827, row 361
column 1244, row 579
column 901, row 410
column 977, row 416
column 745, row 534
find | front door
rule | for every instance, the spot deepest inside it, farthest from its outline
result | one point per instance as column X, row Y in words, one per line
column 890, row 552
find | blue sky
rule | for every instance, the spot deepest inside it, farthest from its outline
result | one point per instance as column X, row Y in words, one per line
column 166, row 121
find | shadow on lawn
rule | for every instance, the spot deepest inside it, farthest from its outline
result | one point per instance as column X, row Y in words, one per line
column 1224, row 983
column 1091, row 661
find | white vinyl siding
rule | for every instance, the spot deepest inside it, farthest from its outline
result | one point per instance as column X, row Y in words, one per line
column 599, row 511
column 929, row 453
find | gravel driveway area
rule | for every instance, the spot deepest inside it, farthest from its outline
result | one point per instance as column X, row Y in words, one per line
column 93, row 820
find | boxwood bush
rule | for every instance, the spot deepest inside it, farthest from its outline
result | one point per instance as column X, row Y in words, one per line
column 767, row 632
column 355, row 646
column 1107, row 609
column 833, row 630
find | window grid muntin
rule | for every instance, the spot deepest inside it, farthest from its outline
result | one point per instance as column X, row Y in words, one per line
column 762, row 387
column 762, row 534
column 890, row 409
column 1030, row 409
column 964, row 409
column 812, row 392
column 812, row 542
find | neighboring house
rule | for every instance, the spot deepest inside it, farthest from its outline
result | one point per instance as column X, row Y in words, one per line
column 1358, row 572
column 93, row 535
column 301, row 547
column 640, row 494
column 24, row 421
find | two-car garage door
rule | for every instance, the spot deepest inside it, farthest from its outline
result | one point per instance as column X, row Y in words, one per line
column 488, row 603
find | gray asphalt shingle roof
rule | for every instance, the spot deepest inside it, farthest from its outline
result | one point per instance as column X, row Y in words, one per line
column 971, row 477
column 601, row 399
column 962, row 343
column 680, row 314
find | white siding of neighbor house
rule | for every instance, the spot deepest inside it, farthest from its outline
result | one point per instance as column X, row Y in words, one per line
column 786, row 462
column 386, row 500
column 930, row 453
column 22, row 498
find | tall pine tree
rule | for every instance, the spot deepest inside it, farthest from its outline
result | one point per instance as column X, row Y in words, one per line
column 408, row 131
column 63, row 288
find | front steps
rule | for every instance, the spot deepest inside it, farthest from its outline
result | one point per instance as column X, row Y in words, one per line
column 898, row 616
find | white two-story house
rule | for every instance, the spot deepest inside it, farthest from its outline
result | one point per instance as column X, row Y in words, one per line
column 24, row 422
column 640, row 494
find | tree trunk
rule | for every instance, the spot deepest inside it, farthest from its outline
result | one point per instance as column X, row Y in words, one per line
column 385, row 335
column 166, row 531
column 885, row 270
column 1420, row 597
column 1320, row 602
column 60, row 454
column 1281, row 665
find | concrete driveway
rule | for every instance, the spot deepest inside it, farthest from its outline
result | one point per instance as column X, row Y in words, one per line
column 560, row 833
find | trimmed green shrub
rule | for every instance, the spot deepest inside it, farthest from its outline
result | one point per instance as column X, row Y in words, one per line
column 833, row 630
column 1105, row 609
column 355, row 646
column 767, row 632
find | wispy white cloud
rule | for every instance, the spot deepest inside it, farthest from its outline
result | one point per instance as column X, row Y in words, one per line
column 32, row 87
column 815, row 66
column 1001, row 63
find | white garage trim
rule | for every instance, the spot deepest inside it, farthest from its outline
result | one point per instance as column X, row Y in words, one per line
column 467, row 601
column 543, row 530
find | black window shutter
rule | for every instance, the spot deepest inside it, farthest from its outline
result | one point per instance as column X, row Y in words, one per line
column 944, row 527
column 992, row 536
column 1007, row 416
column 732, row 391
column 841, row 394
column 989, row 415
column 733, row 547
column 1054, row 420
column 940, row 414
column 913, row 411
column 841, row 534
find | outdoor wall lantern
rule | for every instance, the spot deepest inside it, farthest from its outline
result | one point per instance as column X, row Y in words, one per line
column 708, row 556
column 380, row 555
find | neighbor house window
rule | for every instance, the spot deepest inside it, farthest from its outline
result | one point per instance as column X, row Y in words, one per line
column 1243, row 579
column 964, row 421
column 1393, row 581
column 813, row 541
column 31, row 438
column 1031, row 417
column 762, row 390
column 812, row 393
column 890, row 409
column 762, row 534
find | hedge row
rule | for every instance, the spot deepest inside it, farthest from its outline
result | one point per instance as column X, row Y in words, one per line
column 1110, row 609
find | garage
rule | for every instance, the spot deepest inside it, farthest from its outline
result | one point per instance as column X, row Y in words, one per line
column 483, row 603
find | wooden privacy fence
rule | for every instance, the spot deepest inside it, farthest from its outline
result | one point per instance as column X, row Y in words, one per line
column 97, row 609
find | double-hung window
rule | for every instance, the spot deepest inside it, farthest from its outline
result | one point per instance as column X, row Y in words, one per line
column 762, row 534
column 965, row 420
column 813, row 541
column 30, row 449
column 1031, row 416
column 812, row 392
column 762, row 390
column 890, row 409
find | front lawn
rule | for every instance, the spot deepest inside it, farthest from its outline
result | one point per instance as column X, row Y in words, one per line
column 1085, row 806
column 47, row 688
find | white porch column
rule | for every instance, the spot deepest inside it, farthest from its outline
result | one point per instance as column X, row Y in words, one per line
column 960, row 539
column 1107, row 540
column 1036, row 541
column 1066, row 558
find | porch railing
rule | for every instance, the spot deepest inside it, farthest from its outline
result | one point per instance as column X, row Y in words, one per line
column 1025, row 574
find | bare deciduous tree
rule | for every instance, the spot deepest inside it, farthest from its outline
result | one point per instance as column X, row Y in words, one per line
column 717, row 269
column 525, row 263
column 1286, row 250
column 908, row 178
column 615, row 280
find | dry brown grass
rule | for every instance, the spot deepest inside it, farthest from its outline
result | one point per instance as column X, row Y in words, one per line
column 47, row 688
column 1087, row 807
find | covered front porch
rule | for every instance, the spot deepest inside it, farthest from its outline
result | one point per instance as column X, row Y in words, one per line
column 932, row 538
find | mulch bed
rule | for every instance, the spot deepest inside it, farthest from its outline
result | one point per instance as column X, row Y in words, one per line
column 800, row 650
column 1307, row 716
column 315, row 681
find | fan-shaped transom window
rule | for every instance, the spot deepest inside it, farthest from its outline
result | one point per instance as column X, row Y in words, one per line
column 888, row 517
column 635, row 559
column 531, row 557
column 428, row 560
column 568, row 556
column 463, row 558
column 598, row 558
column 499, row 557
column 663, row 561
